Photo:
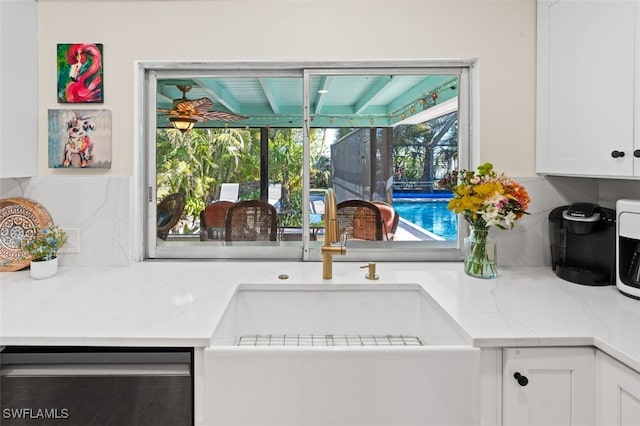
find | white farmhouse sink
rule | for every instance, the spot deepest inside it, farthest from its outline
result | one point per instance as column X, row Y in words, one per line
column 346, row 310
column 339, row 355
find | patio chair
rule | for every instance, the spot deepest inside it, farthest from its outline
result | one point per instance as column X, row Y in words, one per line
column 169, row 212
column 229, row 192
column 212, row 219
column 390, row 218
column 360, row 220
column 252, row 220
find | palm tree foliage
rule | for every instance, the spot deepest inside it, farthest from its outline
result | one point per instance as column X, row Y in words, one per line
column 410, row 147
column 198, row 162
column 423, row 151
column 285, row 167
column 285, row 161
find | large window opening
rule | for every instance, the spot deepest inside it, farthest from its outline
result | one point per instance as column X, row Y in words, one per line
column 380, row 135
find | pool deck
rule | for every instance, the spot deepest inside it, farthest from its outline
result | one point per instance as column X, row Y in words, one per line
column 408, row 231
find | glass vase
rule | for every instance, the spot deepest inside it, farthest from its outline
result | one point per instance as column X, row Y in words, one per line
column 480, row 254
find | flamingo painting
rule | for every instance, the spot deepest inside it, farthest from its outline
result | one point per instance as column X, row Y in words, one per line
column 80, row 73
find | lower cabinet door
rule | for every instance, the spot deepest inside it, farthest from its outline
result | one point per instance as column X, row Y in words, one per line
column 618, row 393
column 549, row 386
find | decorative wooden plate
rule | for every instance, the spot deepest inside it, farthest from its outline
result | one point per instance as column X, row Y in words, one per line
column 18, row 217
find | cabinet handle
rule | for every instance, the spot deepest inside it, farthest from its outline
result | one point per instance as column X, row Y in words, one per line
column 616, row 154
column 636, row 153
column 522, row 380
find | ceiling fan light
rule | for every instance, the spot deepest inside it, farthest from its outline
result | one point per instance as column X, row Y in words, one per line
column 183, row 124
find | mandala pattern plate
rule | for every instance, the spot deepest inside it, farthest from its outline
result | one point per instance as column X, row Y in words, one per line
column 18, row 218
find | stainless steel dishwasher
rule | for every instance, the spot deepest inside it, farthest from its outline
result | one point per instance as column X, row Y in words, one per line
column 90, row 386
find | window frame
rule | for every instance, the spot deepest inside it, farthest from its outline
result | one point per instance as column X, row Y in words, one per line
column 146, row 245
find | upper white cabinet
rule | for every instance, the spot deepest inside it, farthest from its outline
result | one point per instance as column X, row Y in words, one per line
column 18, row 88
column 588, row 94
column 548, row 386
column 618, row 393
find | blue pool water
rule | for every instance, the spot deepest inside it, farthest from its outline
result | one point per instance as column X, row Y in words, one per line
column 430, row 215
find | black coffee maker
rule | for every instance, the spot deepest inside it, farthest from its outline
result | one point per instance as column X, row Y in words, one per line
column 583, row 243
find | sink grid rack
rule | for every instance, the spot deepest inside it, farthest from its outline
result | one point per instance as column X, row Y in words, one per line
column 327, row 340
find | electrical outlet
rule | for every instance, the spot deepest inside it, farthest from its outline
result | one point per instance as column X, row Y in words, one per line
column 73, row 241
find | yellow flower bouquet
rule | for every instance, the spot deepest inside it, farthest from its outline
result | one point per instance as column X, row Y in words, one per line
column 484, row 198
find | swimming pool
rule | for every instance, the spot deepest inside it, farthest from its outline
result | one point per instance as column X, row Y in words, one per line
column 430, row 215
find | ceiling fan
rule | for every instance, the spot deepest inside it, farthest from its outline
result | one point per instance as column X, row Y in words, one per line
column 185, row 113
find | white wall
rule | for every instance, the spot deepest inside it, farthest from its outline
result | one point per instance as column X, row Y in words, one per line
column 501, row 34
column 98, row 207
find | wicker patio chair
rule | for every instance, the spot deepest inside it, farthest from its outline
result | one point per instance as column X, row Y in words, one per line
column 169, row 212
column 212, row 219
column 252, row 220
column 390, row 218
column 360, row 220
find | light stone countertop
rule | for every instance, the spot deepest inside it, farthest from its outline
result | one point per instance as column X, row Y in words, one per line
column 180, row 303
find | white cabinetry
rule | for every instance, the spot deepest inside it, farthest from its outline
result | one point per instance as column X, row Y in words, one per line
column 618, row 393
column 548, row 386
column 588, row 94
column 18, row 88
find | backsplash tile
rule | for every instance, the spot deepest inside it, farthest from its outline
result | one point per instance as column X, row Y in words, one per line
column 99, row 206
column 611, row 190
column 527, row 244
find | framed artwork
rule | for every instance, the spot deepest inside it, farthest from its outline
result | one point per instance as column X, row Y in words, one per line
column 80, row 138
column 80, row 73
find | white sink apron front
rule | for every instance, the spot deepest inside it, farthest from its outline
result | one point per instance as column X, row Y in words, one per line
column 339, row 355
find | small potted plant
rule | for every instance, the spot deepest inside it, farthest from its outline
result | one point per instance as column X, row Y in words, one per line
column 41, row 247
